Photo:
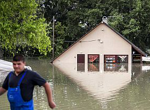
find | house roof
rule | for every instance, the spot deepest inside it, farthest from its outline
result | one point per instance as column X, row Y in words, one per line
column 135, row 47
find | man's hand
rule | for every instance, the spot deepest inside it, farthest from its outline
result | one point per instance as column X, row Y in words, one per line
column 52, row 104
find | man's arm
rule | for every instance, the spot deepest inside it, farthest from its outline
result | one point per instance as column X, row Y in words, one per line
column 49, row 95
column 2, row 90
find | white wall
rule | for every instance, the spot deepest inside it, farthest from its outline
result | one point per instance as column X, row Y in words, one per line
column 102, row 40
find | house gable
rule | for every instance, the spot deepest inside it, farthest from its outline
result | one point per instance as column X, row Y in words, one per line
column 101, row 40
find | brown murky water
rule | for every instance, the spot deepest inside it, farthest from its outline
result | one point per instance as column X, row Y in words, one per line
column 91, row 87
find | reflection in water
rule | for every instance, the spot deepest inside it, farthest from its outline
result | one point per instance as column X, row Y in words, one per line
column 81, row 67
column 113, row 88
column 100, row 85
column 136, row 71
column 93, row 66
column 120, row 67
column 145, row 68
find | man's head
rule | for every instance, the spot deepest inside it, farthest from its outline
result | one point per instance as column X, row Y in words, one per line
column 18, row 63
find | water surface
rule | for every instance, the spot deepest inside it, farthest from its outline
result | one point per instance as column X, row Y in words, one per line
column 95, row 87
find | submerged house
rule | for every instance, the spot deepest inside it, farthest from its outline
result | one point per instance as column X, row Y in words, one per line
column 101, row 45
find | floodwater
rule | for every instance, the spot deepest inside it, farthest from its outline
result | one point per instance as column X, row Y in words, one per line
column 91, row 87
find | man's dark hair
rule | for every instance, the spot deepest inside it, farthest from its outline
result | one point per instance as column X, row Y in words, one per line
column 19, row 57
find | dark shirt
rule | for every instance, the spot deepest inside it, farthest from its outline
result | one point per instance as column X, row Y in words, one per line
column 27, row 85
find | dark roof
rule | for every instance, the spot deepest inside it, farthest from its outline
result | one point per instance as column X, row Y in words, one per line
column 135, row 47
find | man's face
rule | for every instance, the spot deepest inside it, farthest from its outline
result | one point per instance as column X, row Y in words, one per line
column 18, row 66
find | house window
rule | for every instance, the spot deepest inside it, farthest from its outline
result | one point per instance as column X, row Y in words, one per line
column 110, row 59
column 122, row 59
column 81, row 62
column 80, row 58
column 93, row 62
column 116, row 59
column 93, row 58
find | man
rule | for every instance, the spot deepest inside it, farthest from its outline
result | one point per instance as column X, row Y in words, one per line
column 20, row 84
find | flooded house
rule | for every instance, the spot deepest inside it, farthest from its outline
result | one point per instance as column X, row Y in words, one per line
column 101, row 45
column 101, row 62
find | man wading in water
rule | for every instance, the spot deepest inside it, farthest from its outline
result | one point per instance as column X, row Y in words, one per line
column 20, row 85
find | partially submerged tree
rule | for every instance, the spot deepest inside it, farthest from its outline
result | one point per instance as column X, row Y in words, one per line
column 20, row 27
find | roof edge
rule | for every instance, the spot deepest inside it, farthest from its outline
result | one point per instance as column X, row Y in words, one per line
column 135, row 47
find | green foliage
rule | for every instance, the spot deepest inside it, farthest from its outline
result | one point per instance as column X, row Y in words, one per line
column 22, row 23
column 21, row 27
column 77, row 17
column 60, row 31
